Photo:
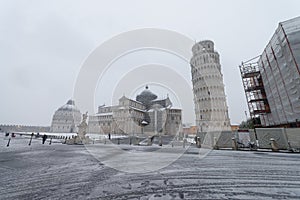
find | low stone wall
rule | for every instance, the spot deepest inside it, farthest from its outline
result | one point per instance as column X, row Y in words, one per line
column 252, row 135
column 268, row 138
column 244, row 138
column 22, row 128
column 293, row 135
column 264, row 136
column 285, row 138
column 216, row 139
column 225, row 139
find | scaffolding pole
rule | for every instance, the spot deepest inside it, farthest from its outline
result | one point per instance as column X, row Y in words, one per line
column 254, row 90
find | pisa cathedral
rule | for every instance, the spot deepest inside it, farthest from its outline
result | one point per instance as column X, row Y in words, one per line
column 145, row 115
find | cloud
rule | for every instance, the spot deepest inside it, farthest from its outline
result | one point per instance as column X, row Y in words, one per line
column 44, row 43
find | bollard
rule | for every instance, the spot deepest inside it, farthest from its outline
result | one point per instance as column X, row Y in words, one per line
column 8, row 142
column 149, row 143
column 160, row 141
column 274, row 145
column 215, row 143
column 50, row 141
column 234, row 144
column 30, row 139
column 198, row 142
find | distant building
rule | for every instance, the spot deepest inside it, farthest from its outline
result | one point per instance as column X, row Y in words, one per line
column 189, row 129
column 272, row 80
column 66, row 119
column 209, row 96
column 146, row 115
column 235, row 127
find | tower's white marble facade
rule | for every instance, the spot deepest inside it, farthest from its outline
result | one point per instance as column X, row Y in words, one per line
column 209, row 96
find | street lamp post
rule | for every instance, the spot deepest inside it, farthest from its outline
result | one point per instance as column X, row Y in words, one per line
column 156, row 126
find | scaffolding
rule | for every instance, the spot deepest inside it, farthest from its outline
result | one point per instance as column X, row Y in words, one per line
column 272, row 80
column 255, row 92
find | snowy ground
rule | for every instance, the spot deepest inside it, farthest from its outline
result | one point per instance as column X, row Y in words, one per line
column 60, row 171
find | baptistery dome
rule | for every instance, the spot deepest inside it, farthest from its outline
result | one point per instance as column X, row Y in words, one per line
column 66, row 118
column 69, row 106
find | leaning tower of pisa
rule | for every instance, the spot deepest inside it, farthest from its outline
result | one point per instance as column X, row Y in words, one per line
column 209, row 96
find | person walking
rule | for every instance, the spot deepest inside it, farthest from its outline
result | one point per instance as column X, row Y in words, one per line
column 44, row 138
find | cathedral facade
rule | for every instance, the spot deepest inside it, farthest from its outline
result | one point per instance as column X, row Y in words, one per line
column 145, row 115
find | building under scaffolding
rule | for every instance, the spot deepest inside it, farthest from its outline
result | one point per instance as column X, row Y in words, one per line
column 272, row 80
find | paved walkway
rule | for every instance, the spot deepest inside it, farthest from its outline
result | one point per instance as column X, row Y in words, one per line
column 69, row 172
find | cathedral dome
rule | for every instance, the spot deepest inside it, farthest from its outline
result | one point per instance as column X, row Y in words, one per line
column 146, row 96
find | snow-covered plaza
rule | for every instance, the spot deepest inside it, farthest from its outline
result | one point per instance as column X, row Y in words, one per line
column 59, row 171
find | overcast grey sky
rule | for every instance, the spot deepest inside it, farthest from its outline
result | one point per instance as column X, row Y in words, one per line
column 44, row 43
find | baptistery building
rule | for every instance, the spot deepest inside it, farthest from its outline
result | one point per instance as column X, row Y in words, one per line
column 66, row 119
column 145, row 115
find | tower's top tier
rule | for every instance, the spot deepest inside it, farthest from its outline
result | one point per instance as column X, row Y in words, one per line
column 203, row 46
